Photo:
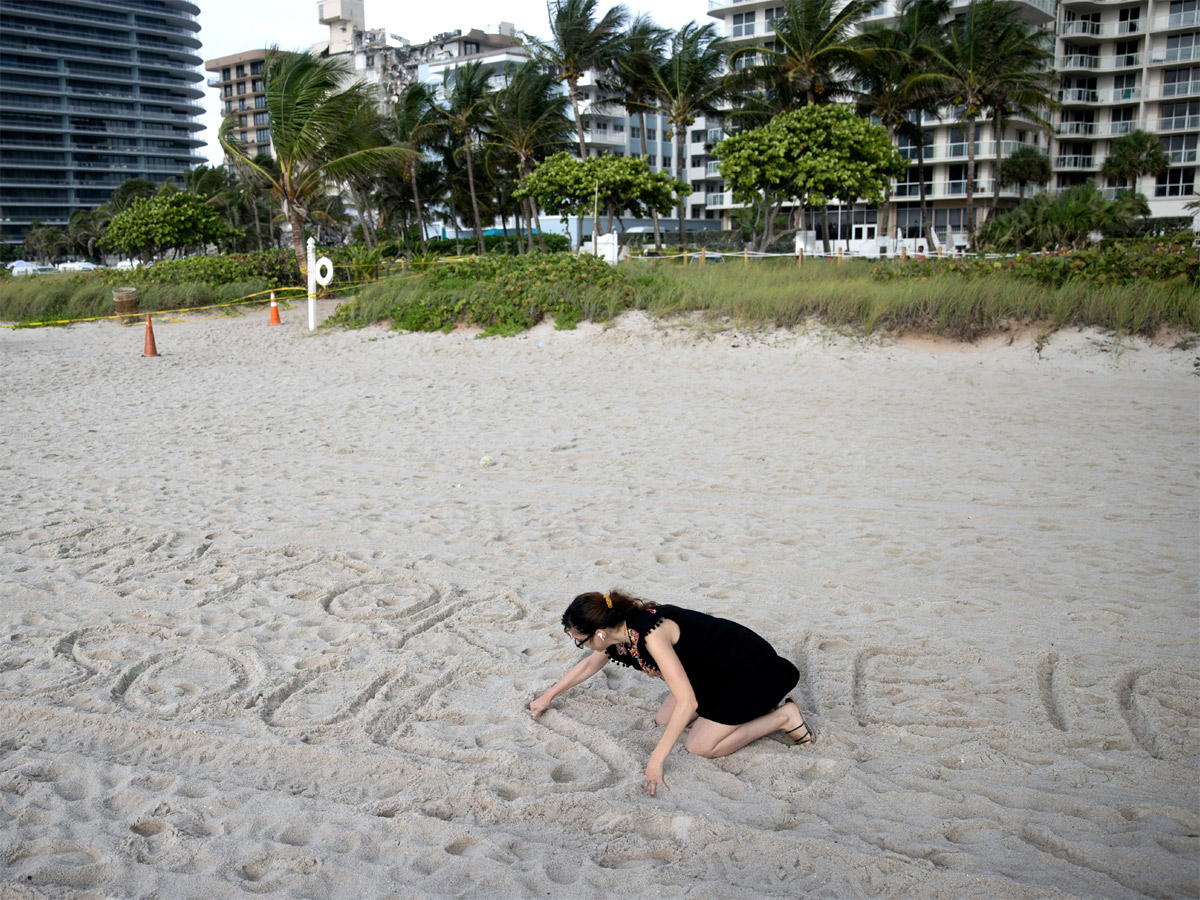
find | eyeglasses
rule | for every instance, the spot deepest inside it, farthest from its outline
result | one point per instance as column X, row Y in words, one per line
column 582, row 642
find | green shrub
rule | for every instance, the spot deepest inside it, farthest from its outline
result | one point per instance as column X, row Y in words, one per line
column 503, row 294
column 277, row 268
column 493, row 243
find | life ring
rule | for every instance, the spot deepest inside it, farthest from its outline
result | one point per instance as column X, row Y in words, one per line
column 324, row 273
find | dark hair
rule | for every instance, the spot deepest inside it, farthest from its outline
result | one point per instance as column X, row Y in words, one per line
column 590, row 612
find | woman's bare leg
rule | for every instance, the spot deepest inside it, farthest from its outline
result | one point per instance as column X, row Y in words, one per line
column 664, row 712
column 712, row 739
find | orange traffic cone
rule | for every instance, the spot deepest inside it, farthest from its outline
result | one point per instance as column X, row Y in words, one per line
column 150, row 350
column 274, row 311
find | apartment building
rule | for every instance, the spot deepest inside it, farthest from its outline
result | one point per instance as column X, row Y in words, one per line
column 1121, row 66
column 93, row 92
column 240, row 79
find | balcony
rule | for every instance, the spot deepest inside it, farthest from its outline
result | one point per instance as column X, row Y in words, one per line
column 1085, row 62
column 1080, row 29
column 1067, row 128
column 604, row 137
column 1189, row 19
column 1078, row 95
column 715, row 135
column 712, row 169
column 1176, row 89
column 1075, row 162
column 1178, row 123
column 1116, row 129
column 1173, row 55
column 1179, row 157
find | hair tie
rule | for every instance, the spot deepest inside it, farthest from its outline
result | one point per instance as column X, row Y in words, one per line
column 608, row 600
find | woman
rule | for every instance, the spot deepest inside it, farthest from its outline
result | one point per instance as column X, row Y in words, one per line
column 725, row 680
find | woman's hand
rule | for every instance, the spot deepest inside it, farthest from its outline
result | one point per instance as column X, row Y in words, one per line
column 654, row 777
column 541, row 704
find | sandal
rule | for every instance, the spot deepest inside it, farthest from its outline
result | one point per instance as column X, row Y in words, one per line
column 809, row 734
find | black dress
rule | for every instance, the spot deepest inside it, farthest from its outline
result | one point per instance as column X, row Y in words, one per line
column 736, row 675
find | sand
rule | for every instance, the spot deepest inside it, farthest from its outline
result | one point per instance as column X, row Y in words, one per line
column 270, row 628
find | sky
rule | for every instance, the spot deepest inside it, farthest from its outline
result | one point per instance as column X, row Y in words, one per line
column 231, row 26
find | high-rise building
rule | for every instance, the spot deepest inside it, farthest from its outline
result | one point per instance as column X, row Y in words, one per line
column 240, row 79
column 93, row 92
column 1121, row 66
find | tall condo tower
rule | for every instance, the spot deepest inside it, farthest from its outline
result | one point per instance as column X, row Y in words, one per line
column 93, row 92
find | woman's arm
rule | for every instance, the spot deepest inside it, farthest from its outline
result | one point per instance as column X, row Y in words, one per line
column 661, row 644
column 580, row 672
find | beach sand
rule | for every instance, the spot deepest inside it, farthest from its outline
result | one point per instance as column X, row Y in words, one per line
column 270, row 628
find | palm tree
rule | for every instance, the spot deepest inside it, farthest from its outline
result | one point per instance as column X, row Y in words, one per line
column 463, row 119
column 1134, row 155
column 85, row 228
column 687, row 84
column 1026, row 165
column 815, row 51
column 990, row 58
column 579, row 43
column 412, row 118
column 631, row 79
column 529, row 123
column 313, row 130
column 892, row 54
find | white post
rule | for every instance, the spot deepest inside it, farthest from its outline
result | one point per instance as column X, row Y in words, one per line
column 312, row 284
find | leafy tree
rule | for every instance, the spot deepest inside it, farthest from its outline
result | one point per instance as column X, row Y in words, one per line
column 891, row 55
column 412, row 117
column 632, row 78
column 814, row 154
column 990, row 59
column 688, row 83
column 85, row 229
column 579, row 43
column 565, row 186
column 529, row 123
column 1063, row 221
column 46, row 242
column 1026, row 165
column 165, row 222
column 129, row 190
column 1134, row 155
column 463, row 119
column 814, row 55
column 315, row 133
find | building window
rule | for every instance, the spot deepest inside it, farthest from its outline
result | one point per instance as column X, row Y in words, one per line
column 224, row 74
column 227, row 91
column 1180, row 148
column 666, row 162
column 370, row 61
column 1180, row 46
column 743, row 24
column 260, row 102
column 470, row 48
column 241, row 103
column 1175, row 183
column 769, row 17
column 261, row 118
column 696, row 161
column 697, row 137
column 241, row 71
column 635, row 131
column 651, row 134
column 263, row 135
column 256, row 85
column 241, row 121
column 256, row 68
column 1180, row 82
column 618, row 128
column 241, row 88
column 1180, row 115
column 228, row 106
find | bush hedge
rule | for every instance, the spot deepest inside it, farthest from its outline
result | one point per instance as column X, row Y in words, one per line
column 503, row 294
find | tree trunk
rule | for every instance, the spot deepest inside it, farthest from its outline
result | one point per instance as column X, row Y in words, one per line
column 926, row 225
column 971, row 181
column 412, row 172
column 825, row 228
column 298, row 240
column 680, row 172
column 653, row 212
column 474, row 198
column 997, row 127
column 364, row 216
column 573, row 93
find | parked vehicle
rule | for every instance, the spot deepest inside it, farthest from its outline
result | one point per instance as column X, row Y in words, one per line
column 77, row 267
column 31, row 269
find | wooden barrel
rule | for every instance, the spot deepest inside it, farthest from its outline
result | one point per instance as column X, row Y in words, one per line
column 125, row 303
